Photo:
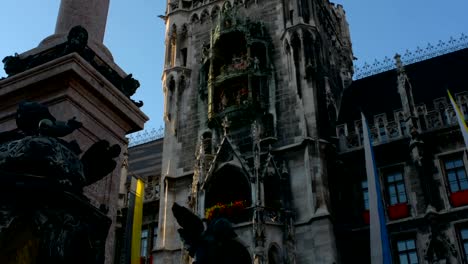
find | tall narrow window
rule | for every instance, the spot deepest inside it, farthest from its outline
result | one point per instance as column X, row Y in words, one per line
column 173, row 53
column 183, row 52
column 407, row 253
column 144, row 243
column 464, row 241
column 396, row 188
column 171, row 48
column 296, row 46
column 456, row 174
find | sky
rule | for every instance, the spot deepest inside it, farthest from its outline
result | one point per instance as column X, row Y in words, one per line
column 135, row 34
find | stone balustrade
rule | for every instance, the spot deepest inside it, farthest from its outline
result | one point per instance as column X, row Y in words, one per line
column 385, row 129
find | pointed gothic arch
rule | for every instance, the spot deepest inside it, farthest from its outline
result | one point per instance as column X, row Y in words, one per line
column 194, row 19
column 204, row 17
column 170, row 88
column 227, row 185
column 274, row 254
column 272, row 187
column 172, row 47
column 215, row 12
column 296, row 52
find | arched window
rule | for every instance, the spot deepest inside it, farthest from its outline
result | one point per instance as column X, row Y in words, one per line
column 287, row 49
column 296, row 46
column 274, row 255
column 272, row 186
column 172, row 46
column 182, row 45
column 207, row 142
column 305, row 10
column 286, row 10
column 194, row 19
column 268, row 125
column 258, row 54
column 227, row 186
column 170, row 97
column 204, row 16
column 215, row 12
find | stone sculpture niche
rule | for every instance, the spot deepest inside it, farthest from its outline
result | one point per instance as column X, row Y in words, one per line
column 44, row 216
column 217, row 243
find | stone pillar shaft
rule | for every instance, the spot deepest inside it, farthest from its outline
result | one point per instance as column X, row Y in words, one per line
column 90, row 14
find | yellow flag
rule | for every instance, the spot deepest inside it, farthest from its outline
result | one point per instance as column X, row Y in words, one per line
column 137, row 222
column 460, row 118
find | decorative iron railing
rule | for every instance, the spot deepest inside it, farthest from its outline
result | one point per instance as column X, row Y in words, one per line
column 145, row 136
column 409, row 57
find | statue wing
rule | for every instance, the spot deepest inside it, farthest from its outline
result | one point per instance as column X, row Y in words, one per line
column 192, row 227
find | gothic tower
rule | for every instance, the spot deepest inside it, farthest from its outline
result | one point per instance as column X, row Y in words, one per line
column 252, row 90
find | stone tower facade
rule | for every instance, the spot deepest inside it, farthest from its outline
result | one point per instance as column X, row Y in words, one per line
column 252, row 90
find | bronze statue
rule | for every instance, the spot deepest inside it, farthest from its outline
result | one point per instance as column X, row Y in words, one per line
column 218, row 243
column 44, row 216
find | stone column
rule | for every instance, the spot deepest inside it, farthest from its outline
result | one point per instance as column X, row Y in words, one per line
column 90, row 14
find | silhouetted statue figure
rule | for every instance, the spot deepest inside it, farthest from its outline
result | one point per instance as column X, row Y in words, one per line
column 46, row 154
column 217, row 244
column 44, row 215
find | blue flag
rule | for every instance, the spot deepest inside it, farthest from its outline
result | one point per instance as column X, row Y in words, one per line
column 379, row 243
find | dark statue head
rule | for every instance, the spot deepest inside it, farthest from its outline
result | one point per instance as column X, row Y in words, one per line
column 29, row 115
column 12, row 64
column 77, row 38
column 217, row 243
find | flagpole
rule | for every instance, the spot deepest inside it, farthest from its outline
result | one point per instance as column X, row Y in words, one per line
column 379, row 242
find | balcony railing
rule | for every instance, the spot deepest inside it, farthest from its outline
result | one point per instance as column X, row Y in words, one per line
column 384, row 130
column 239, row 67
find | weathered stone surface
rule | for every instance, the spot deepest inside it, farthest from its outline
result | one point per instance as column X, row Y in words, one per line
column 70, row 87
column 272, row 109
column 91, row 15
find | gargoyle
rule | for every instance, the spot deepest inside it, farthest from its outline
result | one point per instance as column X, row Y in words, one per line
column 13, row 64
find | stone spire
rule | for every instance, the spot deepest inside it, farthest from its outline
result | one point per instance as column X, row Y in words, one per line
column 90, row 14
column 405, row 90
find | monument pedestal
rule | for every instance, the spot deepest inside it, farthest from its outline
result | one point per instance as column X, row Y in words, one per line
column 72, row 86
